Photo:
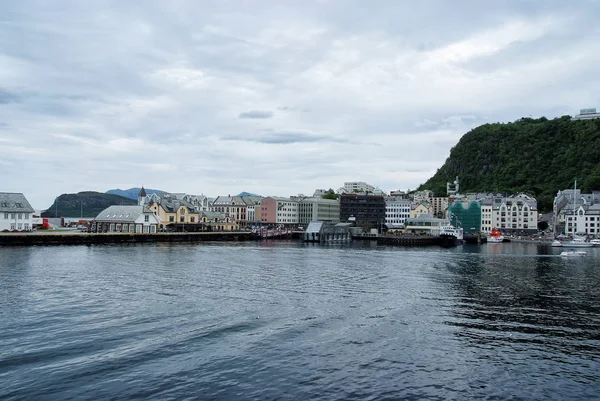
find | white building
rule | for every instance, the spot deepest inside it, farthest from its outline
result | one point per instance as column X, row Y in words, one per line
column 252, row 208
column 201, row 203
column 587, row 114
column 397, row 211
column 126, row 219
column 570, row 202
column 16, row 214
column 425, row 195
column 313, row 209
column 509, row 214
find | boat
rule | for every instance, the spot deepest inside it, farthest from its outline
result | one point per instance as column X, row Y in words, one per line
column 495, row 236
column 557, row 243
column 573, row 252
column 451, row 236
column 577, row 242
column 595, row 242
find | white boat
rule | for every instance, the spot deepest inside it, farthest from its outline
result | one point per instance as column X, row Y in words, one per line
column 451, row 236
column 577, row 242
column 595, row 242
column 556, row 243
column 573, row 253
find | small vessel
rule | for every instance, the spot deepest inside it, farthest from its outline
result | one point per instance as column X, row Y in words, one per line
column 451, row 236
column 495, row 236
column 556, row 243
column 595, row 242
column 573, row 252
column 577, row 242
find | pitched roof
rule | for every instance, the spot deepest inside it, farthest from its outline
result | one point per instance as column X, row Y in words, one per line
column 14, row 202
column 142, row 192
column 121, row 213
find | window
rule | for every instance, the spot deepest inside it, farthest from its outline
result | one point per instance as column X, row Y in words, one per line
column 181, row 219
column 146, row 218
column 12, row 226
column 12, row 216
column 171, row 219
column 20, row 216
column 5, row 216
column 192, row 219
column 19, row 226
column 27, row 226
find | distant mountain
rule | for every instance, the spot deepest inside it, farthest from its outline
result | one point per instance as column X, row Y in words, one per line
column 132, row 193
column 84, row 204
column 247, row 194
column 538, row 156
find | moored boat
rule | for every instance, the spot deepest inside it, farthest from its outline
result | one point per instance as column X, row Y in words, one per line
column 595, row 242
column 495, row 236
column 573, row 253
column 451, row 236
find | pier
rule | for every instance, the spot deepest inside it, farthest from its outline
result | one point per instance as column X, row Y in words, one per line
column 67, row 238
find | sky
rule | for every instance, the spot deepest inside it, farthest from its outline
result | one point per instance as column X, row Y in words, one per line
column 274, row 97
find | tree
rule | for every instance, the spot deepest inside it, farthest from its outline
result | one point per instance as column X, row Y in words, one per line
column 543, row 225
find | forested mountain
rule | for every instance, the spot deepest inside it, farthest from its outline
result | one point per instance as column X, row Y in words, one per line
column 537, row 156
column 84, row 204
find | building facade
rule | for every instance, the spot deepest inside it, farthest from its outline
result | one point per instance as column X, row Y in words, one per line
column 367, row 210
column 171, row 210
column 587, row 114
column 16, row 214
column 397, row 211
column 313, row 209
column 125, row 219
column 233, row 207
column 280, row 211
column 420, row 208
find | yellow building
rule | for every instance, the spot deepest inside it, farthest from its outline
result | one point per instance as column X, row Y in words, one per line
column 215, row 221
column 171, row 210
column 420, row 209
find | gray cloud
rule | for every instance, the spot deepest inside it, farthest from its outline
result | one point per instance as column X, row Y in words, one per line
column 8, row 97
column 286, row 138
column 112, row 83
column 260, row 114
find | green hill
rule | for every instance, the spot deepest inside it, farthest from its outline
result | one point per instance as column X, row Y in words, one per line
column 538, row 156
column 86, row 204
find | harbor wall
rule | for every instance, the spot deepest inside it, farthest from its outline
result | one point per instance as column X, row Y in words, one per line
column 28, row 239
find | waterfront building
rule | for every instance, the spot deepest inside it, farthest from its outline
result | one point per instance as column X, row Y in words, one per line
column 587, row 114
column 425, row 223
column 366, row 210
column 252, row 208
column 172, row 210
column 231, row 206
column 419, row 208
column 515, row 214
column 397, row 211
column 317, row 208
column 217, row 221
column 16, row 214
column 576, row 212
column 280, row 211
column 466, row 214
column 126, row 219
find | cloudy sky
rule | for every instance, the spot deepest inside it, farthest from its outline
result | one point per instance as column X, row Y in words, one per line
column 274, row 97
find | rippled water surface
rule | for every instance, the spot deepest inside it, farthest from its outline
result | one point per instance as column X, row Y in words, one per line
column 284, row 320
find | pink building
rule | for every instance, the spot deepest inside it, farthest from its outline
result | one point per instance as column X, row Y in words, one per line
column 276, row 210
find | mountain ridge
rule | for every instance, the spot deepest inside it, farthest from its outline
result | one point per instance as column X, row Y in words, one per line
column 536, row 156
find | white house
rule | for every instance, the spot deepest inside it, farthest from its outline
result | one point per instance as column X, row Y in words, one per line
column 126, row 219
column 16, row 214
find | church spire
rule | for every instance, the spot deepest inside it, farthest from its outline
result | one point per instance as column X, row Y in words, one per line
column 142, row 197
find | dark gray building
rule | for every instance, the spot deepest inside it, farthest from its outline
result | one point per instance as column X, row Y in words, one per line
column 367, row 210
